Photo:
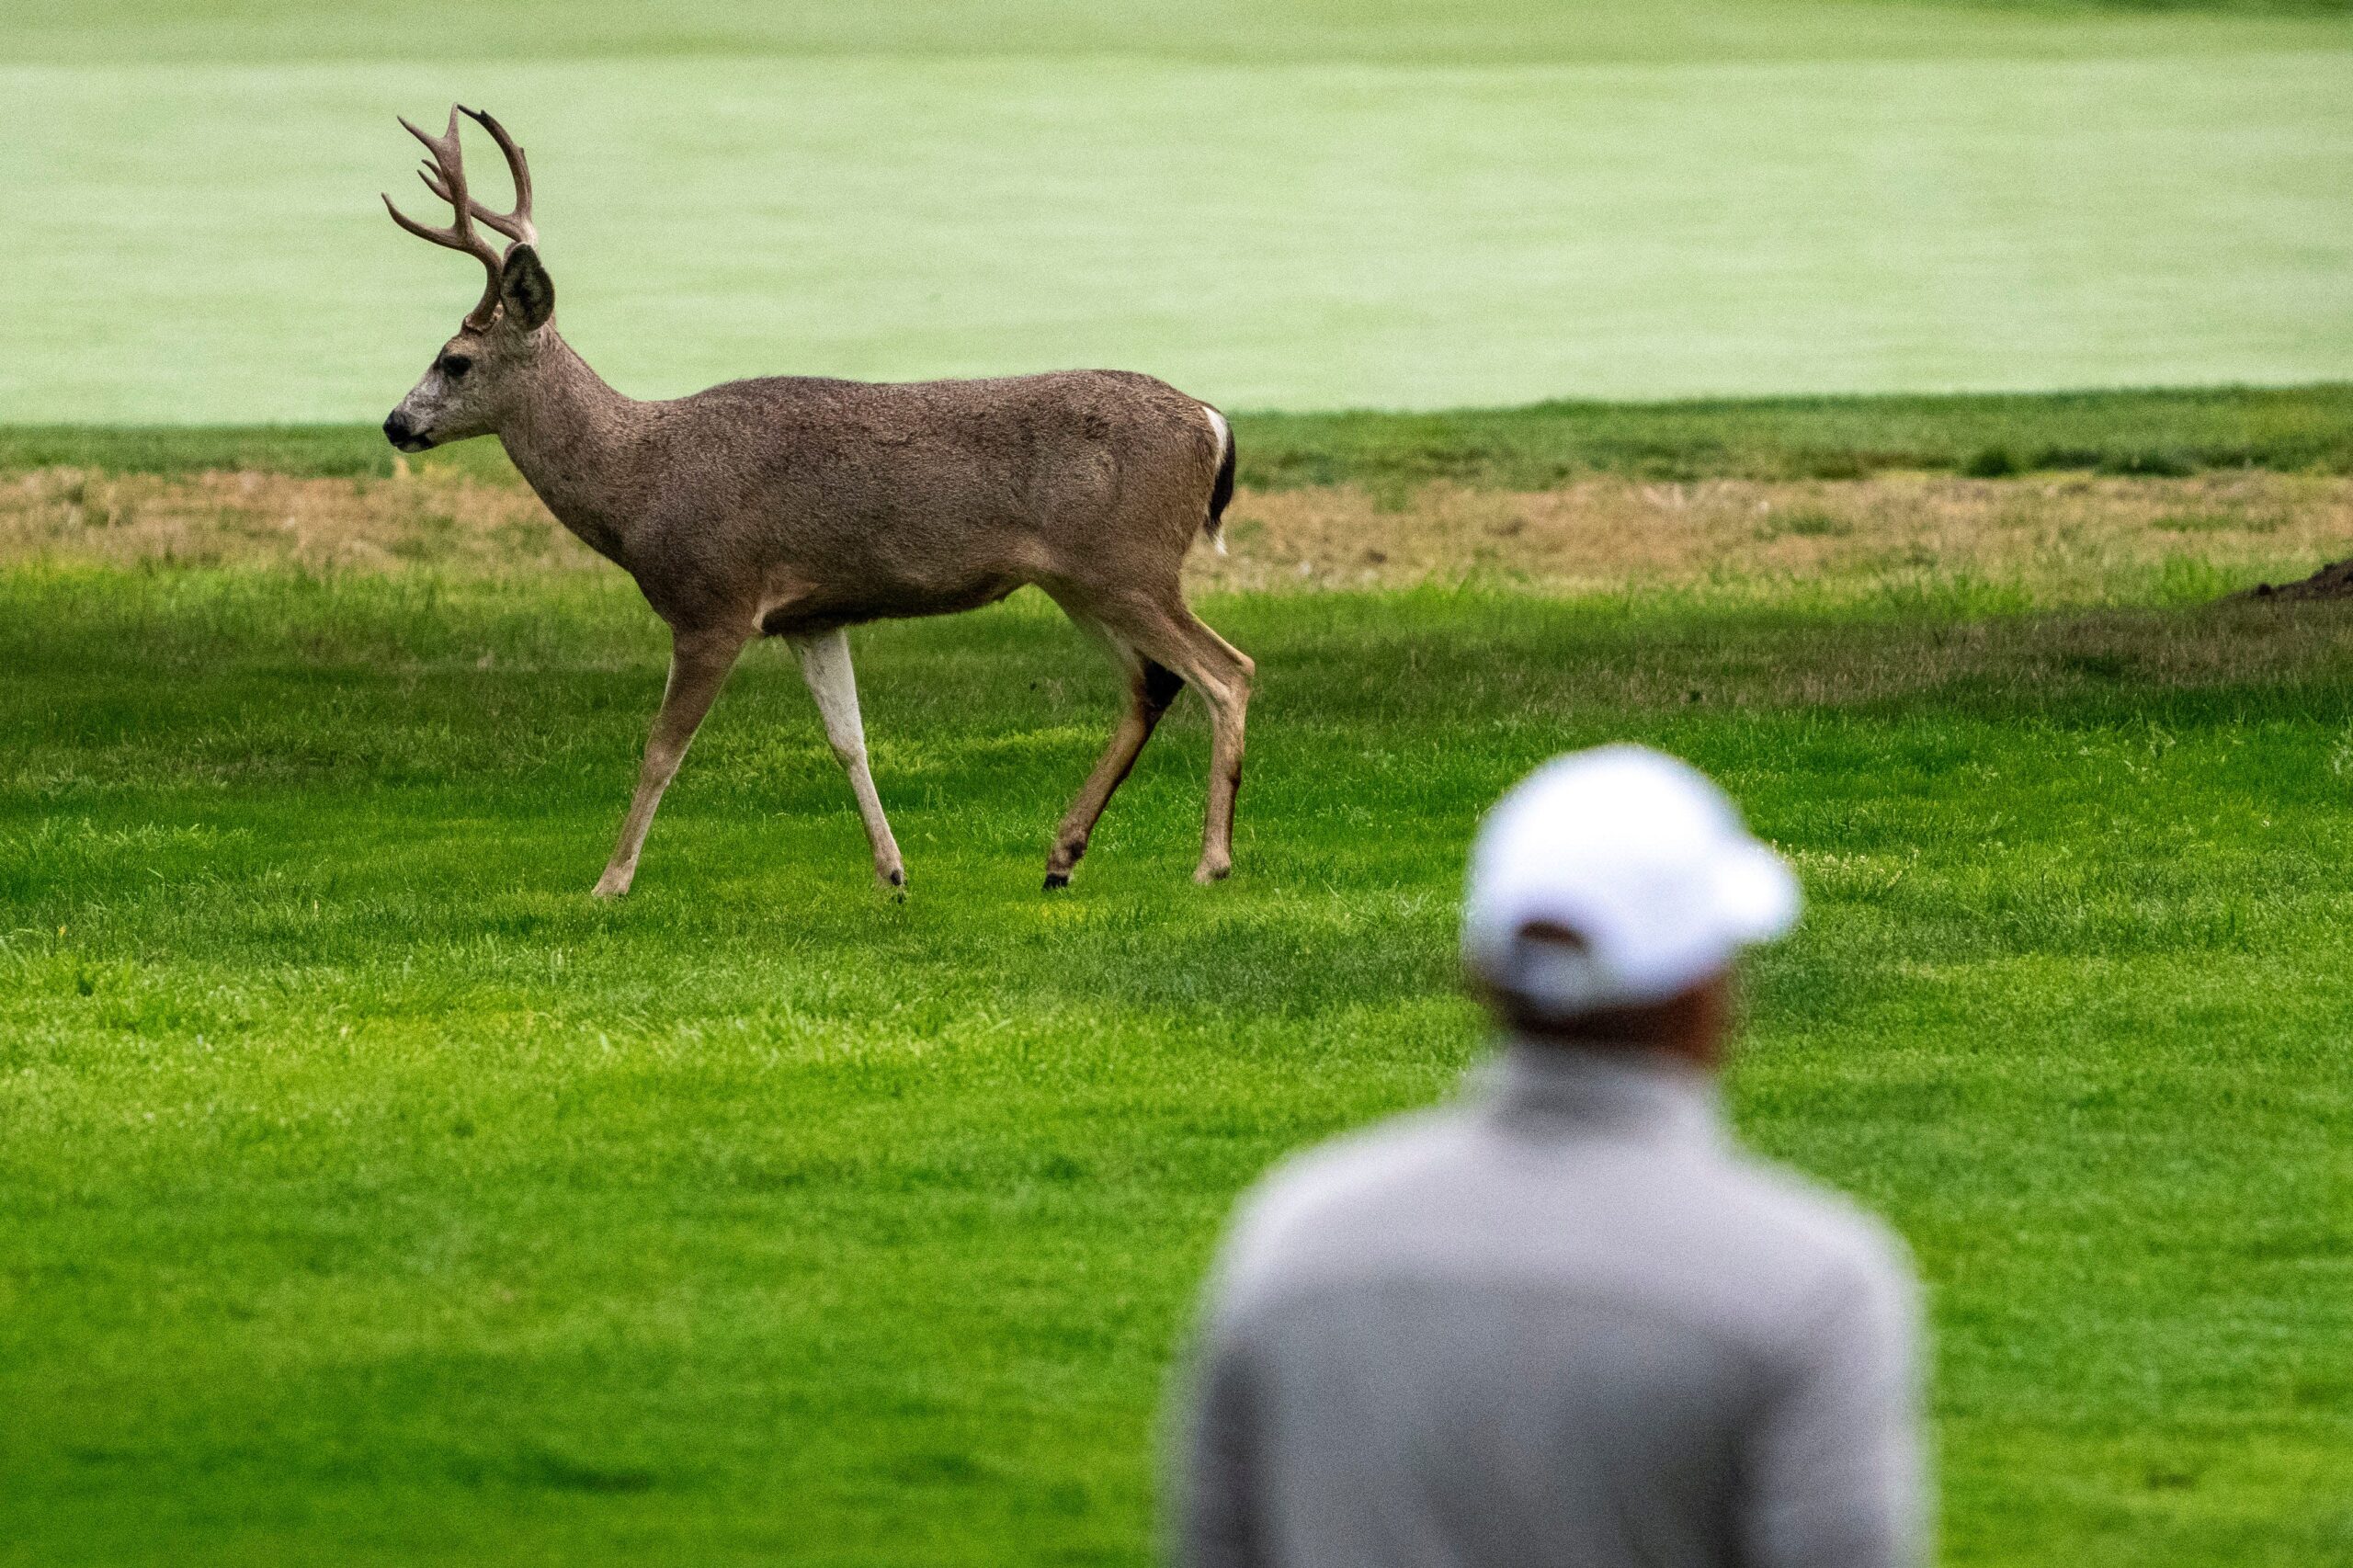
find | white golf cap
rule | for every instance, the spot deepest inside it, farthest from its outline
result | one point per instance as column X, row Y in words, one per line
column 1640, row 855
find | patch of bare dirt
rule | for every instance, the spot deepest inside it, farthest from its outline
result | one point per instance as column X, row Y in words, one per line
column 2333, row 581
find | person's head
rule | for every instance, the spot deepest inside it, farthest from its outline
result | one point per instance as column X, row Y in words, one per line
column 1610, row 894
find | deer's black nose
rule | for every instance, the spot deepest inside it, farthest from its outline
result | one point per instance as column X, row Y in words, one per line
column 396, row 429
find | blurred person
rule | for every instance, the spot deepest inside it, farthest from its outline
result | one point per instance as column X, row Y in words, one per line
column 1567, row 1320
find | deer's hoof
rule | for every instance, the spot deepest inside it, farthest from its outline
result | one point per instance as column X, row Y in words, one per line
column 608, row 889
column 1209, row 871
column 1056, row 880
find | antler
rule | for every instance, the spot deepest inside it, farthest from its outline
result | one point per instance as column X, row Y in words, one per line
column 516, row 225
column 450, row 165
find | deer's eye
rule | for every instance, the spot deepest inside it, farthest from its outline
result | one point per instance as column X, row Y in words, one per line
column 455, row 365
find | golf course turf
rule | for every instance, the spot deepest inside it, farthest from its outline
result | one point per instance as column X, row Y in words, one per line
column 369, row 1195
column 2144, row 432
column 1422, row 204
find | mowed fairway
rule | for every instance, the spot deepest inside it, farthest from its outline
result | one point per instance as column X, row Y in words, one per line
column 1340, row 206
column 369, row 1195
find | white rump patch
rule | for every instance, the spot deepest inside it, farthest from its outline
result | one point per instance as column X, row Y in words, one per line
column 1219, row 429
column 1223, row 432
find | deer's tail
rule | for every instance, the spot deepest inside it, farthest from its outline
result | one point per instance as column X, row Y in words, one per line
column 1222, row 488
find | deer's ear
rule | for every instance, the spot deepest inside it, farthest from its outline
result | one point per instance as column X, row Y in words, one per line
column 526, row 290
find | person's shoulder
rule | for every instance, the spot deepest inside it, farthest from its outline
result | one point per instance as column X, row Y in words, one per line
column 1326, row 1192
column 1824, row 1238
column 1355, row 1168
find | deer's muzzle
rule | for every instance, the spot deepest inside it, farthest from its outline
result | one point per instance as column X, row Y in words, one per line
column 402, row 434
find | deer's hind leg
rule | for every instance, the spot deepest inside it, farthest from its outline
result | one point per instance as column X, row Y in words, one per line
column 1152, row 686
column 1169, row 633
column 824, row 665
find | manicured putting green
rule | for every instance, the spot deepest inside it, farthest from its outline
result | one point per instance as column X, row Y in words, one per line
column 1354, row 213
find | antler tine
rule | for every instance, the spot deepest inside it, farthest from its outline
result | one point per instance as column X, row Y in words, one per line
column 516, row 225
column 449, row 162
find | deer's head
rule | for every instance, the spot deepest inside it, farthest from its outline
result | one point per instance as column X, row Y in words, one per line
column 473, row 382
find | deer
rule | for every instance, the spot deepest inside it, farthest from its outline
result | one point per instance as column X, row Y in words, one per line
column 800, row 506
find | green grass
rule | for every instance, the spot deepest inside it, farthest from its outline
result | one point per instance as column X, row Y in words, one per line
column 2118, row 432
column 311, row 451
column 2308, row 428
column 1452, row 31
column 369, row 1195
column 1330, row 206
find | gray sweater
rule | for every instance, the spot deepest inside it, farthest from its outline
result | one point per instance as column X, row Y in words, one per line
column 1564, row 1321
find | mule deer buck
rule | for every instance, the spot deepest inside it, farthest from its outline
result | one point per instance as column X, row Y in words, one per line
column 797, row 507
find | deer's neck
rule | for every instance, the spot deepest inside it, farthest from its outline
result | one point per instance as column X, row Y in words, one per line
column 574, row 440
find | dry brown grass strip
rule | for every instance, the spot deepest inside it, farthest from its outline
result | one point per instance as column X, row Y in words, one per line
column 2063, row 537
column 2047, row 534
column 449, row 522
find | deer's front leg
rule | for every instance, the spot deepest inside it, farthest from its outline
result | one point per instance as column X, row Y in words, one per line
column 698, row 667
column 824, row 665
